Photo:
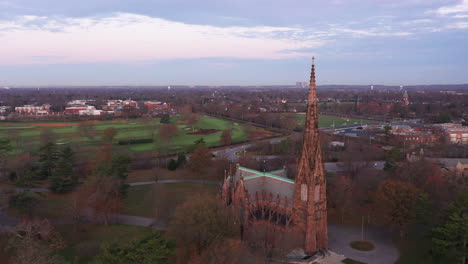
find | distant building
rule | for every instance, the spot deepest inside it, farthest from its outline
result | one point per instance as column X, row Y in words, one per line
column 413, row 138
column 74, row 110
column 458, row 166
column 406, row 101
column 453, row 133
column 130, row 103
column 32, row 110
column 4, row 110
column 157, row 107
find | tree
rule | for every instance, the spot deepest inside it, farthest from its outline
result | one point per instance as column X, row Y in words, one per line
column 172, row 165
column 387, row 132
column 226, row 137
column 35, row 242
column 397, row 201
column 200, row 160
column 109, row 134
column 165, row 119
column 341, row 194
column 64, row 179
column 5, row 148
column 192, row 121
column 47, row 159
column 450, row 238
column 47, row 137
column 23, row 202
column 152, row 249
column 197, row 143
column 226, row 251
column 87, row 129
column 391, row 158
column 106, row 188
column 167, row 132
column 200, row 221
column 181, row 160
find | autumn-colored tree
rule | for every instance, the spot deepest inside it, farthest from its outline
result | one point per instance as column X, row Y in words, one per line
column 103, row 196
column 185, row 112
column 288, row 122
column 106, row 188
column 397, row 201
column 226, row 137
column 167, row 132
column 192, row 120
column 199, row 222
column 109, row 134
column 48, row 137
column 87, row 129
column 200, row 160
column 341, row 195
column 226, row 251
column 35, row 242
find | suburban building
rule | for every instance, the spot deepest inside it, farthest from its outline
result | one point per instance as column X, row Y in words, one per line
column 156, row 106
column 32, row 110
column 453, row 133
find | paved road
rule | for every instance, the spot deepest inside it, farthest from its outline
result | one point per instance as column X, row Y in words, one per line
column 176, row 181
column 340, row 236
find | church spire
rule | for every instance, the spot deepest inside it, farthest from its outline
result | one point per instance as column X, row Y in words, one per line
column 310, row 186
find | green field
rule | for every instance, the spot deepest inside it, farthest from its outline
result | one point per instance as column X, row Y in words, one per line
column 26, row 137
column 326, row 121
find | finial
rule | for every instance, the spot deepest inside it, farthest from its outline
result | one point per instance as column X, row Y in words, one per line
column 313, row 59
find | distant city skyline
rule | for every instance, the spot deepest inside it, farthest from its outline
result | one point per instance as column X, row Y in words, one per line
column 212, row 42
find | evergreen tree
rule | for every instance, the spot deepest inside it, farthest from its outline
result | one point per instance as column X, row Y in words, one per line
column 181, row 160
column 165, row 119
column 47, row 159
column 152, row 249
column 450, row 239
column 118, row 169
column 172, row 165
column 63, row 177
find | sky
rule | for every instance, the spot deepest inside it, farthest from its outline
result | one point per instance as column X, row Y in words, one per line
column 235, row 42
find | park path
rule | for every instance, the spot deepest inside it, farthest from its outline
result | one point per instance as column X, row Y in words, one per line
column 339, row 237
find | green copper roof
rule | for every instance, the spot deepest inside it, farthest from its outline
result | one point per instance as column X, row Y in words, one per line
column 258, row 174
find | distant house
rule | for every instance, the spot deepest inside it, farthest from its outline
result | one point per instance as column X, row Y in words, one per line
column 459, row 166
column 32, row 110
column 157, row 107
column 453, row 133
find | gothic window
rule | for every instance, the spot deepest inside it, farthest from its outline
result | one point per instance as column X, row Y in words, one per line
column 304, row 192
column 317, row 193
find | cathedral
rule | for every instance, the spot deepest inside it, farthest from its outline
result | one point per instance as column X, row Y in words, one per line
column 296, row 206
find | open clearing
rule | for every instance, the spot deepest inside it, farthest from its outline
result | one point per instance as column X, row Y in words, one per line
column 26, row 137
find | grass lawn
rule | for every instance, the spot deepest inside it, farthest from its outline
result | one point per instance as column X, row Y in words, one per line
column 84, row 241
column 362, row 245
column 25, row 137
column 160, row 200
column 352, row 261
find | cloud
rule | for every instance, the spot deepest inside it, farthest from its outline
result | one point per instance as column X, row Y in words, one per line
column 130, row 37
column 461, row 6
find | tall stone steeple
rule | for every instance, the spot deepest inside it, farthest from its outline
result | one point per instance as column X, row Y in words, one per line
column 310, row 202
